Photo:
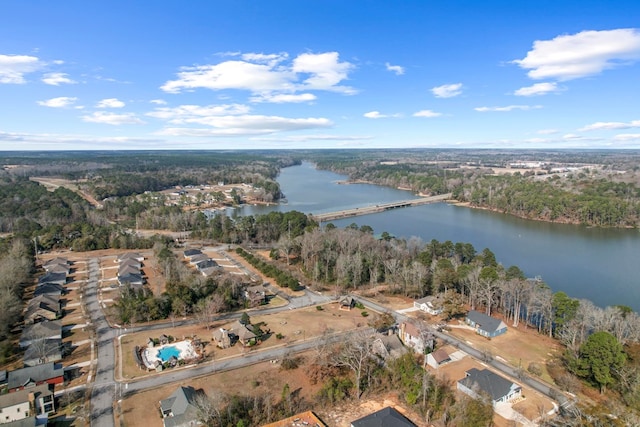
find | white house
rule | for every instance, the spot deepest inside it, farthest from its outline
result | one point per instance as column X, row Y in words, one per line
column 429, row 304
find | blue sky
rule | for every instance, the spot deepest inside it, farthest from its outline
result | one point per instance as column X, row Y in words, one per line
column 86, row 75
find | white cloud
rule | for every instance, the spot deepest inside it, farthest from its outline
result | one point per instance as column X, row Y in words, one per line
column 158, row 102
column 378, row 115
column 627, row 137
column 114, row 119
column 14, row 67
column 568, row 57
column 246, row 125
column 447, row 91
column 537, row 89
column 611, row 125
column 56, row 79
column 110, row 103
column 395, row 68
column 60, row 102
column 547, row 131
column 43, row 141
column 265, row 75
column 196, row 113
column 326, row 71
column 426, row 113
column 281, row 98
column 508, row 108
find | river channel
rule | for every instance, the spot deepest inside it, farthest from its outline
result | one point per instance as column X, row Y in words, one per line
column 601, row 265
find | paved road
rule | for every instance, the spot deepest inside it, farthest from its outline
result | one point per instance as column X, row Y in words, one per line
column 102, row 391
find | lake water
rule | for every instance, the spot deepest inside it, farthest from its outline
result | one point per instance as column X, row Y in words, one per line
column 602, row 265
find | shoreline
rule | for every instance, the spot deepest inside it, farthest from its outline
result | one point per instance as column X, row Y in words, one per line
column 456, row 202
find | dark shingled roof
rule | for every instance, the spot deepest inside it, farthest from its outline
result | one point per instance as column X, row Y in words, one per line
column 491, row 383
column 38, row 373
column 181, row 405
column 386, row 417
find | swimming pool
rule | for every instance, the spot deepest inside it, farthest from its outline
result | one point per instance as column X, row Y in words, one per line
column 166, row 352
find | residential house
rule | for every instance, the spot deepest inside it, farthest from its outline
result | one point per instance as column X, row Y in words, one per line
column 58, row 268
column 347, row 302
column 42, row 308
column 129, row 262
column 129, row 255
column 255, row 295
column 244, row 333
column 438, row 358
column 48, row 373
column 56, row 261
column 179, row 409
column 48, row 330
column 429, row 304
column 132, row 279
column 43, row 351
column 496, row 386
column 307, row 418
column 416, row 338
column 207, row 267
column 125, row 269
column 222, row 338
column 484, row 325
column 385, row 417
column 198, row 258
column 188, row 253
column 52, row 289
column 34, row 402
column 388, row 347
column 50, row 277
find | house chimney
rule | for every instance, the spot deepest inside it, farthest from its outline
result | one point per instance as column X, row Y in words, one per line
column 32, row 403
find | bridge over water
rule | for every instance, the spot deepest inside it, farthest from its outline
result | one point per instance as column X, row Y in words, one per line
column 365, row 210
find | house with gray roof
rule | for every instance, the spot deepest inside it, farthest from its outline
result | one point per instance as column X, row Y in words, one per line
column 385, row 417
column 129, row 255
column 43, row 307
column 188, row 253
column 53, row 289
column 179, row 409
column 38, row 331
column 49, row 373
column 484, row 325
column 57, row 278
column 43, row 351
column 498, row 388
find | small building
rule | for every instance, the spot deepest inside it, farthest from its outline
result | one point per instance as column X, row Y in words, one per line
column 385, row 417
column 126, row 269
column 56, row 261
column 20, row 405
column 43, row 351
column 414, row 337
column 222, row 338
column 48, row 373
column 135, row 280
column 347, row 302
column 498, row 388
column 255, row 295
column 40, row 331
column 244, row 333
column 429, row 304
column 438, row 358
column 484, row 325
column 129, row 255
column 50, row 277
column 53, row 289
column 44, row 307
column 179, row 409
column 195, row 259
column 188, row 253
column 388, row 347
